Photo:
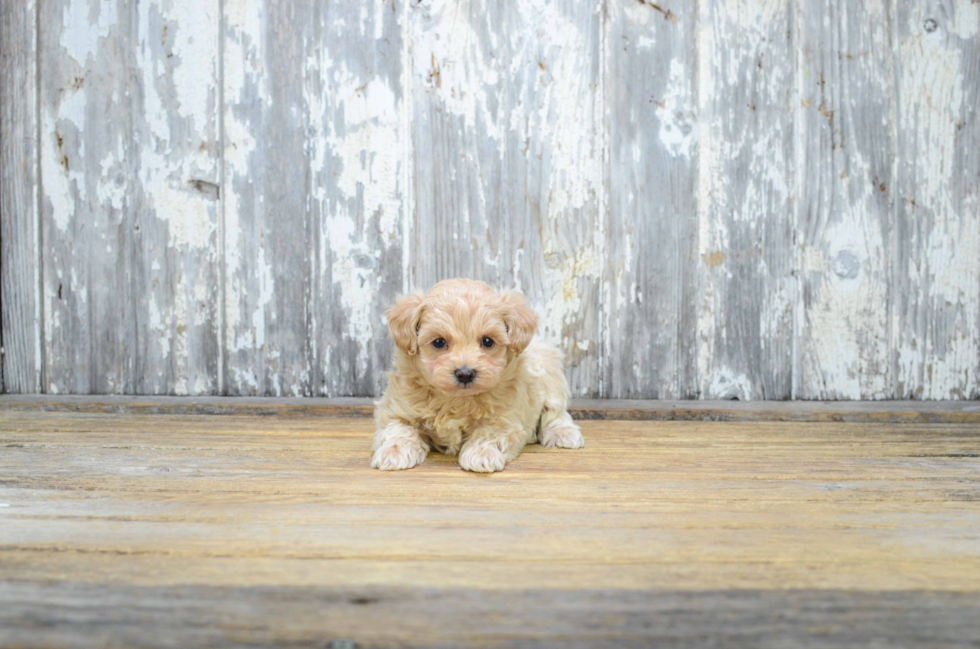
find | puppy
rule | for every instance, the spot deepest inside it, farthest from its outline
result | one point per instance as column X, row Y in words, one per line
column 468, row 381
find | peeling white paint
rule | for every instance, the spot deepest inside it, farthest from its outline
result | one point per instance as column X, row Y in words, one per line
column 243, row 64
column 64, row 183
column 190, row 218
column 726, row 384
column 456, row 75
column 357, row 140
column 111, row 189
column 176, row 56
column 355, row 282
column 938, row 361
column 158, row 327
column 842, row 324
column 84, row 24
column 567, row 122
column 564, row 303
column 732, row 216
column 165, row 173
column 266, row 292
column 966, row 18
column 245, row 83
column 678, row 126
column 370, row 115
column 521, row 89
column 195, row 58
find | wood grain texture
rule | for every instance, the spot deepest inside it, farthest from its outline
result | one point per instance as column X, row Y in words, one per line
column 313, row 218
column 651, row 274
column 87, row 53
column 36, row 614
column 230, row 527
column 20, row 316
column 269, row 250
column 847, row 180
column 506, row 159
column 358, row 152
column 745, row 199
column 176, row 134
column 937, row 269
column 129, row 172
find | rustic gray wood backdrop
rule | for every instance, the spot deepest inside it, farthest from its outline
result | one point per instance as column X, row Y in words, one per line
column 761, row 199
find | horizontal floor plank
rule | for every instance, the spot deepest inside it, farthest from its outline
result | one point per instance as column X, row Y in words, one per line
column 183, row 616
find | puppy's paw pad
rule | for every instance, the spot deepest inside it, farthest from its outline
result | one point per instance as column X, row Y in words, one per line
column 562, row 434
column 397, row 456
column 484, row 458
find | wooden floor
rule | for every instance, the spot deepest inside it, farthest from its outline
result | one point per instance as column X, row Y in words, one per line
column 206, row 530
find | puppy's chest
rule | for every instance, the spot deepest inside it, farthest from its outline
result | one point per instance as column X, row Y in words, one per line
column 444, row 439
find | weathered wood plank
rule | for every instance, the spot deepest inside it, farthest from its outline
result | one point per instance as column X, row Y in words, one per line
column 314, row 181
column 935, row 412
column 336, row 618
column 507, row 160
column 847, row 134
column 129, row 170
column 20, row 316
column 90, row 254
column 746, row 89
column 269, row 250
column 651, row 230
column 937, row 236
column 358, row 152
column 176, row 116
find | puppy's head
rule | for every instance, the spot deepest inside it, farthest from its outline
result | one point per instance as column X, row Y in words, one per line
column 463, row 333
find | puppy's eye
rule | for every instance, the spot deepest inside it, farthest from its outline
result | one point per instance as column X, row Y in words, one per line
column 439, row 343
column 487, row 342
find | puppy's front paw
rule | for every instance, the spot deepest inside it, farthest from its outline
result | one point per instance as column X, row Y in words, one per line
column 398, row 455
column 482, row 458
column 563, row 434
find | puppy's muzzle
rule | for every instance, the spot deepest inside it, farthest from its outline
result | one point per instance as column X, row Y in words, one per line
column 465, row 375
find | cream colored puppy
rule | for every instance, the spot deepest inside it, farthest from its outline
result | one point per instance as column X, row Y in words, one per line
column 469, row 381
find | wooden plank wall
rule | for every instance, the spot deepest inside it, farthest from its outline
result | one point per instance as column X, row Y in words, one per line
column 752, row 199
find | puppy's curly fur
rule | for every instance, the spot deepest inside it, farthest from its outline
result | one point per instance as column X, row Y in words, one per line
column 469, row 381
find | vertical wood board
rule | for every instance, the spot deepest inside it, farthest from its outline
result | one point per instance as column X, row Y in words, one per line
column 176, row 119
column 651, row 274
column 87, row 53
column 268, row 230
column 358, row 152
column 937, row 238
column 746, row 181
column 847, row 187
column 314, row 180
column 128, row 172
column 20, row 314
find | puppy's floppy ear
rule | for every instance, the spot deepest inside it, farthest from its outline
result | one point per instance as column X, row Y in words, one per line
column 521, row 321
column 403, row 322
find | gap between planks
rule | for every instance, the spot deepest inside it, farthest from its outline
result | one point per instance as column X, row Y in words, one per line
column 954, row 412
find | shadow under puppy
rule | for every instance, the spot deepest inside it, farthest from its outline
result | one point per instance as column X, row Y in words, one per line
column 469, row 381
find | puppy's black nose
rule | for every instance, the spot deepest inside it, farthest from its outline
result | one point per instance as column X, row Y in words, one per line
column 465, row 375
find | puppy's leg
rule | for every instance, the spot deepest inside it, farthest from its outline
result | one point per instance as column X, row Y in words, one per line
column 490, row 448
column 398, row 446
column 556, row 427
